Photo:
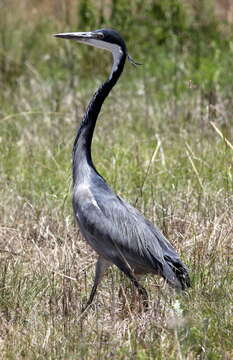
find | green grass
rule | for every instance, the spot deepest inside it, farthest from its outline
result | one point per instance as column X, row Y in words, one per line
column 164, row 142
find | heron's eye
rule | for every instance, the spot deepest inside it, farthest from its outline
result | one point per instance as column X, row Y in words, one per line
column 100, row 35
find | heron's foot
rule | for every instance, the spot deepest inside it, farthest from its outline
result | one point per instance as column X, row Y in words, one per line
column 144, row 297
column 133, row 300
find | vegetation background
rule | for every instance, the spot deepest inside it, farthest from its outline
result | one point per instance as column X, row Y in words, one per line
column 164, row 141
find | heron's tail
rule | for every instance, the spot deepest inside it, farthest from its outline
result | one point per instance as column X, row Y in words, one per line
column 176, row 273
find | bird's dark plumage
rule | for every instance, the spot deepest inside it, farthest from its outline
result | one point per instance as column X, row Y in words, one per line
column 117, row 231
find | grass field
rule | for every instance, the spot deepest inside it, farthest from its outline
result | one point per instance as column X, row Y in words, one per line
column 164, row 142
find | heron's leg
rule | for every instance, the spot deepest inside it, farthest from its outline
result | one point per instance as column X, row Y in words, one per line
column 142, row 291
column 100, row 268
column 129, row 273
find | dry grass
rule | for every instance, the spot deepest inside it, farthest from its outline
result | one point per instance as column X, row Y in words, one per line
column 46, row 275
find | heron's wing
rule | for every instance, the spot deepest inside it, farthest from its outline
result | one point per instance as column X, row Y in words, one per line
column 169, row 257
column 116, row 229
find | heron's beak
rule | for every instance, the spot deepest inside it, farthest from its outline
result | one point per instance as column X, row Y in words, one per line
column 79, row 36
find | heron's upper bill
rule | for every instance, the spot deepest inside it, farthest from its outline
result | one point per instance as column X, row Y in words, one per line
column 79, row 36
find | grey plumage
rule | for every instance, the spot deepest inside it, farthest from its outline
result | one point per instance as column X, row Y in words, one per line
column 117, row 231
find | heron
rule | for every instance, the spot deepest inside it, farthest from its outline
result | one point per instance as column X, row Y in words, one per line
column 117, row 231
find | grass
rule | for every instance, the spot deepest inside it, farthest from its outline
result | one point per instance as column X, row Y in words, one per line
column 164, row 145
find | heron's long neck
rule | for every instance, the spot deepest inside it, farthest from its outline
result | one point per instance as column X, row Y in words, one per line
column 82, row 143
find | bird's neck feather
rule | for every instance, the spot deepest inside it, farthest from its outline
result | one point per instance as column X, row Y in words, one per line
column 83, row 140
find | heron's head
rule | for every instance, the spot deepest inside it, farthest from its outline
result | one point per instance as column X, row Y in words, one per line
column 107, row 39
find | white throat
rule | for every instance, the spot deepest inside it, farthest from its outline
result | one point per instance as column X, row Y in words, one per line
column 113, row 48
